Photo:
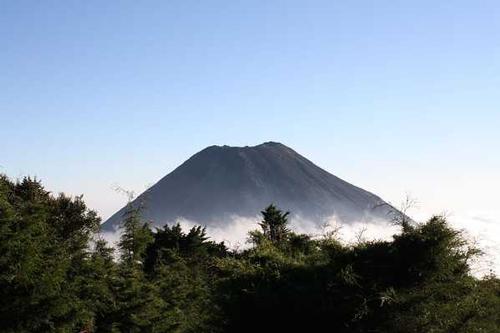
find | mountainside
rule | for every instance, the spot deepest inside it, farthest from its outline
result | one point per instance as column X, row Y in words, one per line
column 221, row 182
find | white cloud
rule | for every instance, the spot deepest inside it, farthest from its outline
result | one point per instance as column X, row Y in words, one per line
column 482, row 228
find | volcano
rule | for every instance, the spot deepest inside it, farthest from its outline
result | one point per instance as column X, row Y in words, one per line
column 220, row 183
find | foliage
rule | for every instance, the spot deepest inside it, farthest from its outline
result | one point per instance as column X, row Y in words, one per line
column 58, row 275
column 44, row 255
column 274, row 224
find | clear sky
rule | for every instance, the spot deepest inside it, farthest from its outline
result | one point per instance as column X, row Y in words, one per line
column 394, row 96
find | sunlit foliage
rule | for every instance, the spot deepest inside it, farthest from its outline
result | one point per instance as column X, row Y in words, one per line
column 58, row 275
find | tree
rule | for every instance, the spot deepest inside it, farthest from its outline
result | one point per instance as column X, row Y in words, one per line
column 57, row 275
column 97, row 283
column 180, row 265
column 138, row 305
column 193, row 246
column 44, row 254
column 136, row 237
column 275, row 224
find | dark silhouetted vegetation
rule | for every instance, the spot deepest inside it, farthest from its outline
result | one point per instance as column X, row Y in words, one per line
column 58, row 275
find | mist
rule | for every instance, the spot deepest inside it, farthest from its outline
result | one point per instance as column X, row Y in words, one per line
column 480, row 230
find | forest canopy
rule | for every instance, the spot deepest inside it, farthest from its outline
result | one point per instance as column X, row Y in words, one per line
column 58, row 275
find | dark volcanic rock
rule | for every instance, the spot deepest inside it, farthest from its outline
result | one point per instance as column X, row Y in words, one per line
column 220, row 182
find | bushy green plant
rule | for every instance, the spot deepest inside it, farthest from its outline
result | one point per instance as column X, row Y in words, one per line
column 58, row 275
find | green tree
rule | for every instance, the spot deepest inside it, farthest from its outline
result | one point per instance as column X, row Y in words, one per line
column 97, row 282
column 180, row 265
column 43, row 255
column 138, row 305
column 58, row 275
column 136, row 237
column 274, row 224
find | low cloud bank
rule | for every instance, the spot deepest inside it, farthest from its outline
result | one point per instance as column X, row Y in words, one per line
column 482, row 229
column 235, row 232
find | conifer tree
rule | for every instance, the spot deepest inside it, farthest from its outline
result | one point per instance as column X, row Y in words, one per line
column 43, row 254
column 275, row 224
column 139, row 306
column 135, row 238
column 58, row 275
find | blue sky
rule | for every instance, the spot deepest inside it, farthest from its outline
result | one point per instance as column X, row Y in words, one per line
column 395, row 96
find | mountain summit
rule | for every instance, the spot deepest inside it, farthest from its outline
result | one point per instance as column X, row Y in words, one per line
column 221, row 182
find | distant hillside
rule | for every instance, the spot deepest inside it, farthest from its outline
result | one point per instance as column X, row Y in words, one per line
column 221, row 181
